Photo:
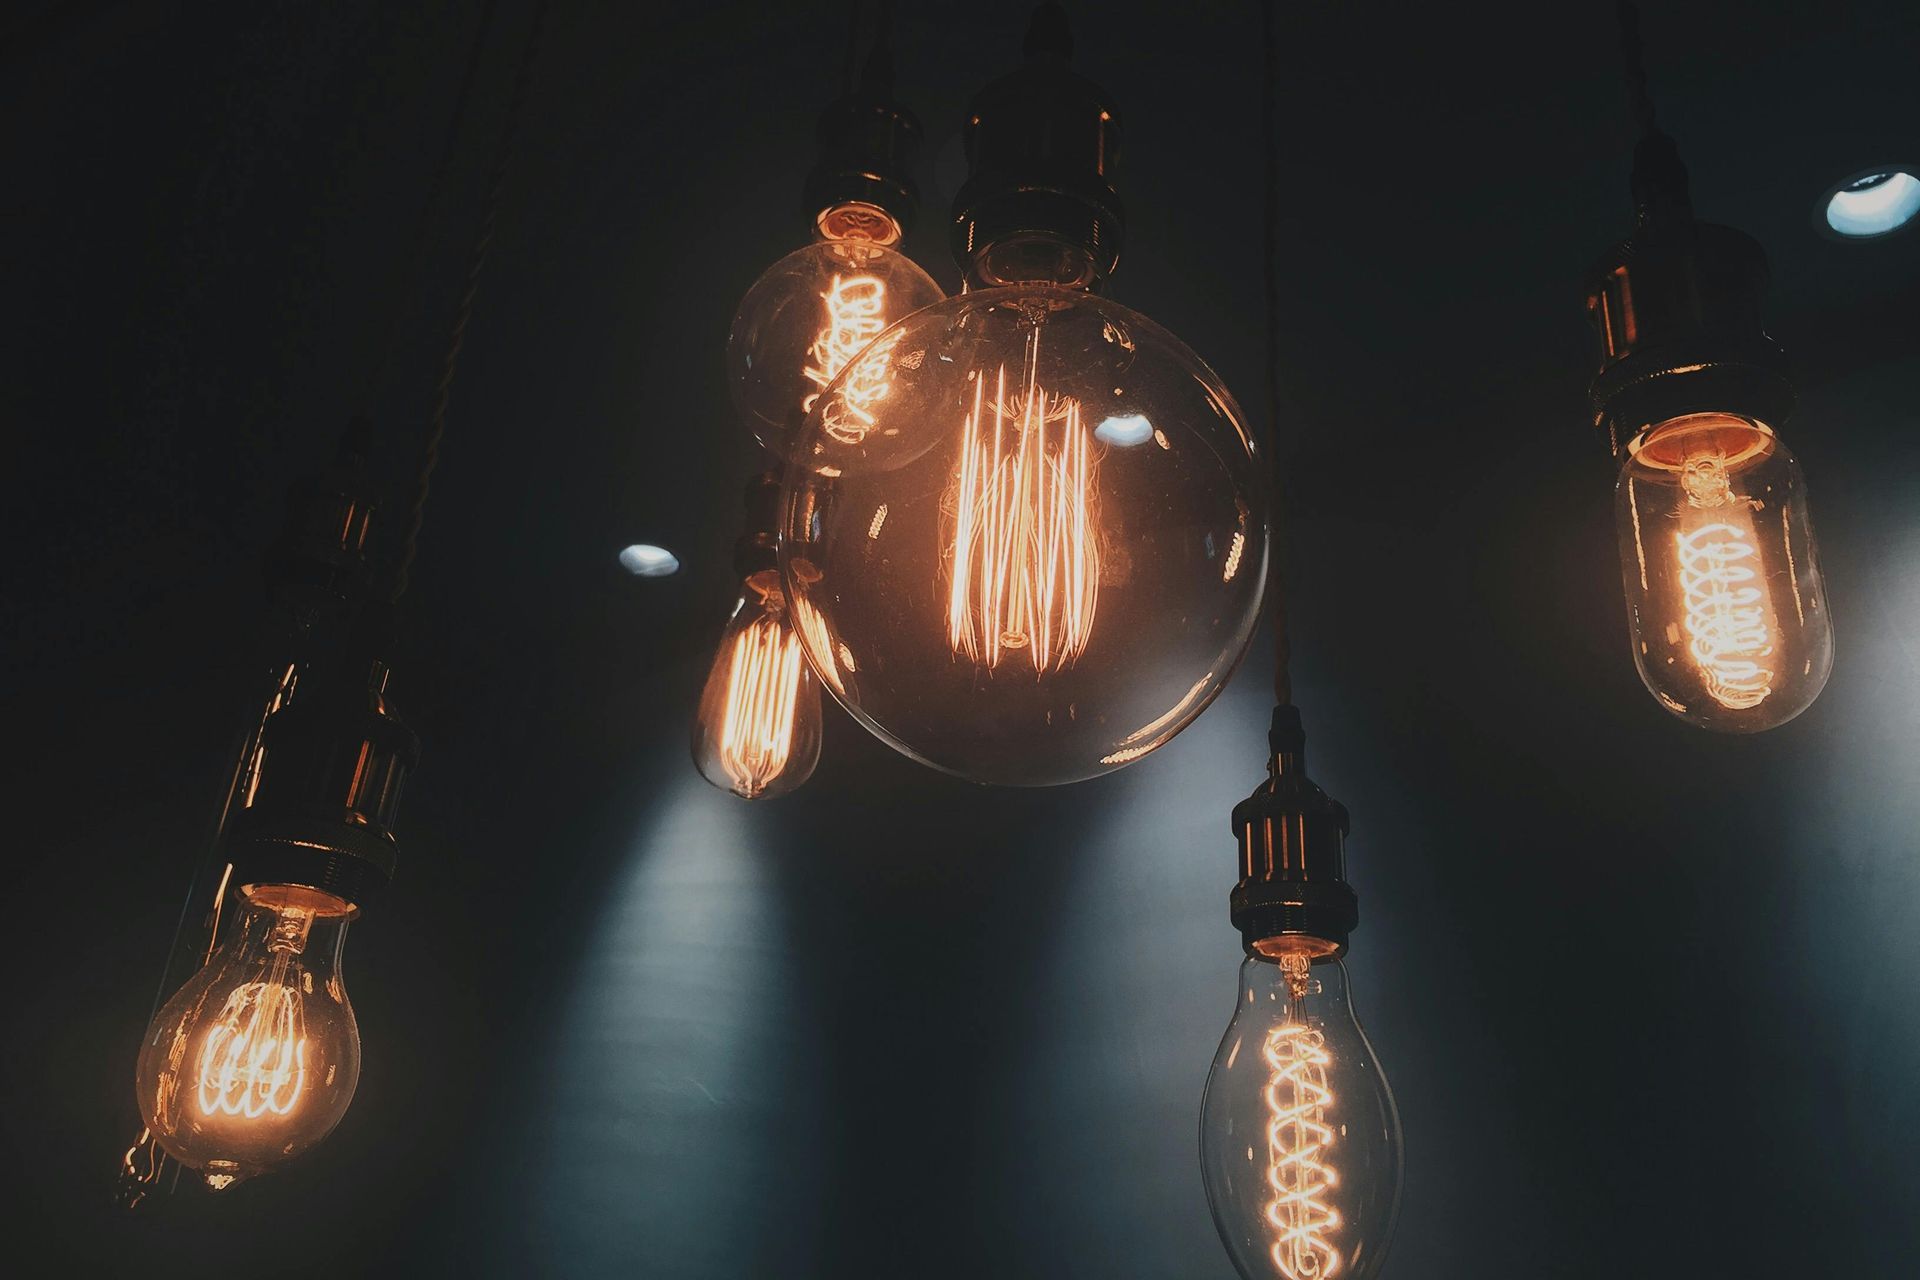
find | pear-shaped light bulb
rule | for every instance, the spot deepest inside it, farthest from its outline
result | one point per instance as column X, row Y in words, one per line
column 255, row 1059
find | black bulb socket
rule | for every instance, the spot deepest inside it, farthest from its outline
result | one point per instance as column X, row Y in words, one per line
column 1293, row 894
column 1039, row 204
column 333, row 762
column 1676, row 311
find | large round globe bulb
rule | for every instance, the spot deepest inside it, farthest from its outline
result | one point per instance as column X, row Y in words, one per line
column 809, row 315
column 1025, row 535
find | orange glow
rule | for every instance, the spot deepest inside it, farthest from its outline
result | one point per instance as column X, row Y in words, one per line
column 1299, row 1140
column 763, row 687
column 856, row 308
column 1727, row 611
column 254, row 1059
column 1023, row 559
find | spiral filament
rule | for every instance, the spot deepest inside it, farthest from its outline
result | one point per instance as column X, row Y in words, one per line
column 1299, row 1139
column 1726, row 609
column 254, row 1060
column 763, row 688
column 1024, row 563
column 856, row 313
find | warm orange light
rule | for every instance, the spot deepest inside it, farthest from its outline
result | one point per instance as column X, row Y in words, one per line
column 856, row 308
column 254, row 1059
column 763, row 686
column 1727, row 619
column 1299, row 1142
column 1023, row 557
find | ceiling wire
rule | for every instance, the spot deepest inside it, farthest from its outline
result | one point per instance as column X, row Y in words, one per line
column 1276, row 551
column 463, row 315
column 408, row 271
column 1633, row 58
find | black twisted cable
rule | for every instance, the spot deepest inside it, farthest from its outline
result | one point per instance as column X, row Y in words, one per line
column 1633, row 60
column 456, row 338
column 1276, row 552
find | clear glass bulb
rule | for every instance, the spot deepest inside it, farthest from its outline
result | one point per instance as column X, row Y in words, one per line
column 757, row 733
column 1299, row 1139
column 255, row 1059
column 1725, row 604
column 812, row 312
column 1031, row 526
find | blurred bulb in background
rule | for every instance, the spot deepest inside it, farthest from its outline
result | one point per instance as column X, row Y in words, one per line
column 757, row 733
column 815, row 310
column 255, row 1059
column 1725, row 602
column 1299, row 1138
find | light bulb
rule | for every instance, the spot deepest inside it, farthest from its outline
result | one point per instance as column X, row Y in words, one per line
column 757, row 733
column 1299, row 1139
column 255, row 1059
column 812, row 312
column 1725, row 603
column 1040, row 555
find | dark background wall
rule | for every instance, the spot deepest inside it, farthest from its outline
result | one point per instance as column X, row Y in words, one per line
column 1647, row 995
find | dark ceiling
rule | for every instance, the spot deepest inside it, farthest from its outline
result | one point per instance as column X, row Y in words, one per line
column 1646, row 995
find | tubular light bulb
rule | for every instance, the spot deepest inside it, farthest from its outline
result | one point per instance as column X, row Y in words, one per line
column 1040, row 554
column 812, row 312
column 1725, row 602
column 255, row 1059
column 1299, row 1139
column 758, row 730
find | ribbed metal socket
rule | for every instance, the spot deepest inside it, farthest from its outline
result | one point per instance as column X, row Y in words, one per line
column 1041, row 147
column 1676, row 309
column 1293, row 887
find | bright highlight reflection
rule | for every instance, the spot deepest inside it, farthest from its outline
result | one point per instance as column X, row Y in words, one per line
column 644, row 560
column 1124, row 431
column 1874, row 204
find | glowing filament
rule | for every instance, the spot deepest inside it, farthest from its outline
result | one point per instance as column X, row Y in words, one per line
column 1299, row 1140
column 1726, row 608
column 763, row 689
column 254, row 1061
column 856, row 308
column 1024, row 563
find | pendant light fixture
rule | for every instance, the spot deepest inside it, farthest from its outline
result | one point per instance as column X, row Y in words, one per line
column 1726, row 607
column 255, row 1058
column 1028, row 521
column 757, row 730
column 817, row 308
column 757, row 733
column 1299, row 1137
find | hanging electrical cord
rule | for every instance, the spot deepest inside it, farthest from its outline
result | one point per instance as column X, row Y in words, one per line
column 1633, row 58
column 463, row 314
column 295, row 863
column 408, row 278
column 1277, row 546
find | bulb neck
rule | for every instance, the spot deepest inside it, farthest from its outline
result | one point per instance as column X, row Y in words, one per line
column 1039, row 205
column 1676, row 309
column 1293, row 899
